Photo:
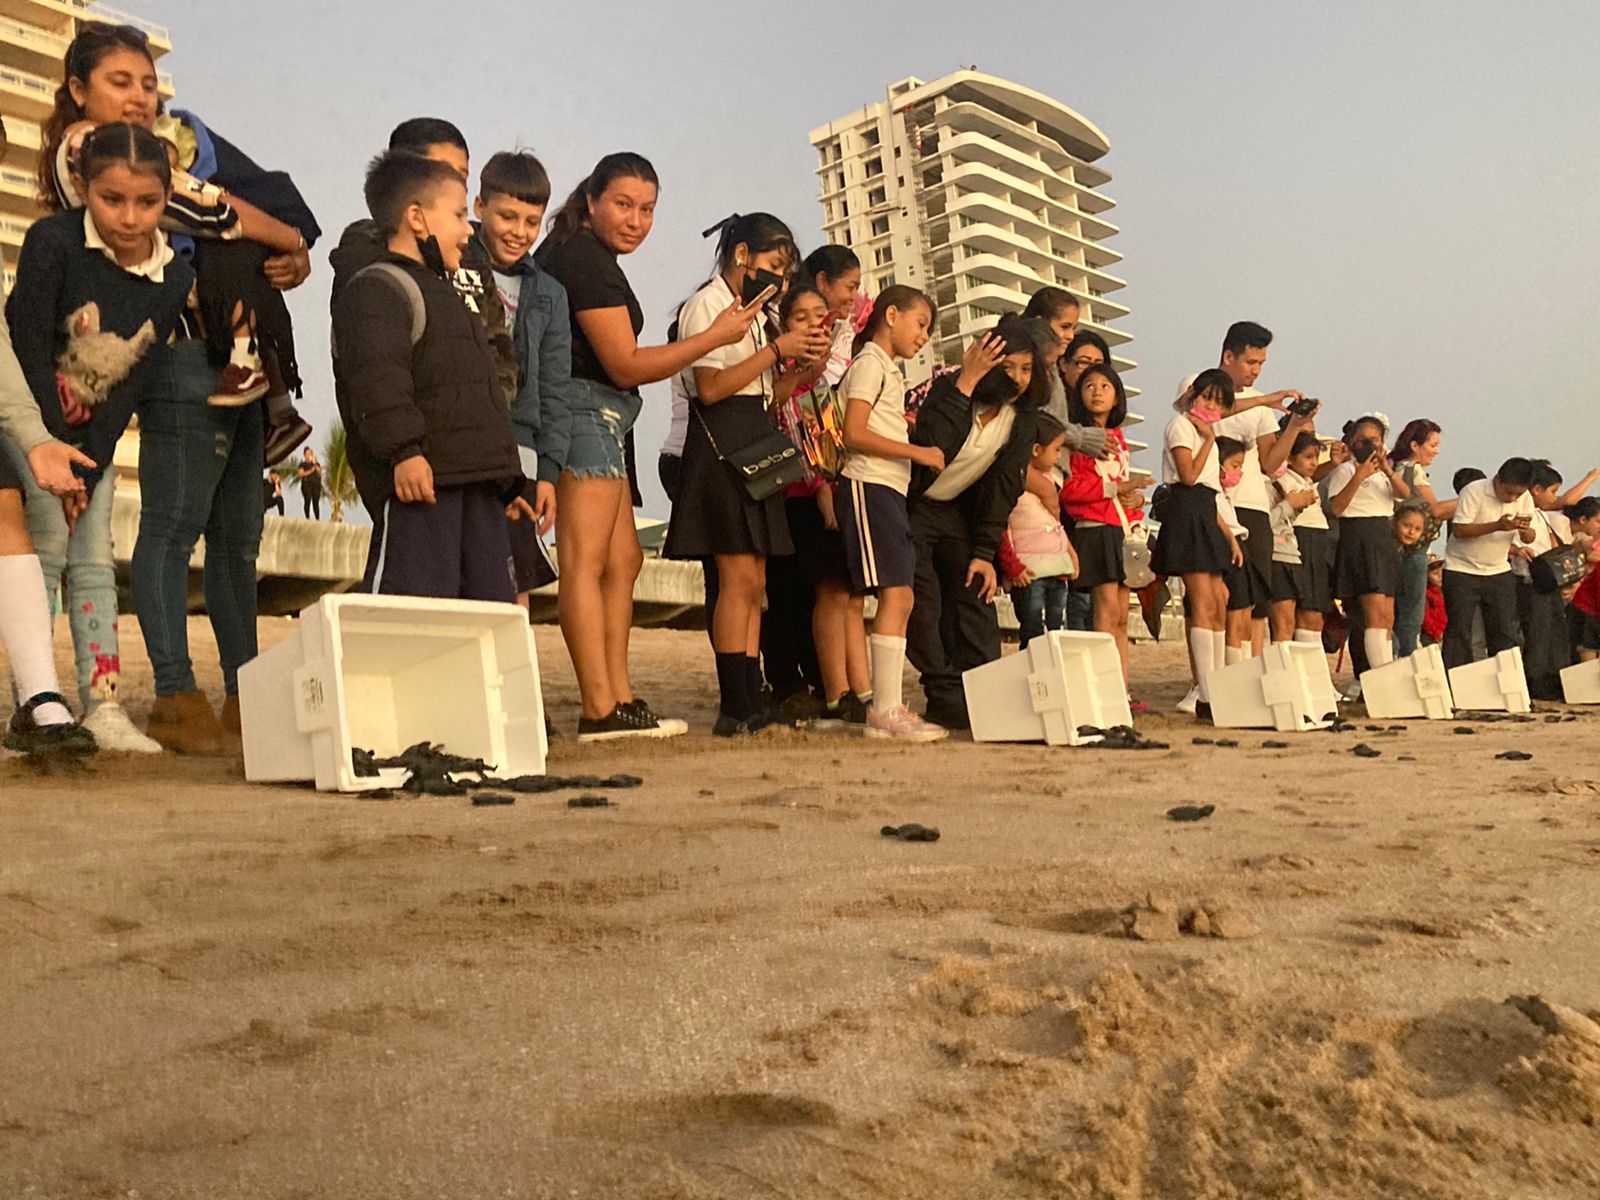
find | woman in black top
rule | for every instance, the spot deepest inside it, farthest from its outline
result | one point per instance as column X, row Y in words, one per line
column 608, row 215
column 310, row 474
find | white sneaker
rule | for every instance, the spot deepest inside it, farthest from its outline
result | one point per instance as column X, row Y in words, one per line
column 1353, row 692
column 114, row 731
column 903, row 725
column 1187, row 704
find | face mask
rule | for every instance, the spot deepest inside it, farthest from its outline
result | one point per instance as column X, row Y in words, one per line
column 1231, row 477
column 757, row 282
column 995, row 388
column 1207, row 413
column 432, row 255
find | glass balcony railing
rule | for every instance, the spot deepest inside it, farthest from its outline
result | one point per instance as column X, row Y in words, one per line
column 32, row 83
column 104, row 12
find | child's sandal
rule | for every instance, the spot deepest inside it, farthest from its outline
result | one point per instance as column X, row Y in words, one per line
column 27, row 736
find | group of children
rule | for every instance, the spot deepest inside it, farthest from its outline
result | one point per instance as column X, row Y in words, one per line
column 1280, row 534
column 487, row 386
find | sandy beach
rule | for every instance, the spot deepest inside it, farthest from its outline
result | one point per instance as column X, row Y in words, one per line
column 730, row 985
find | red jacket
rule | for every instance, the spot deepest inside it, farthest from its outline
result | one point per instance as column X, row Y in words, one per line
column 1083, row 496
column 1433, row 615
column 1587, row 598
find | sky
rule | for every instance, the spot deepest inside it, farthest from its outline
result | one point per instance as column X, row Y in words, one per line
column 1406, row 194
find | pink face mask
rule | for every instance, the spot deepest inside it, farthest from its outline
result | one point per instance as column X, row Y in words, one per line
column 1231, row 477
column 1206, row 413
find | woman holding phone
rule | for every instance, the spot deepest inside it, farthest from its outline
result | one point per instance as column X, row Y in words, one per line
column 608, row 215
column 1363, row 492
column 732, row 392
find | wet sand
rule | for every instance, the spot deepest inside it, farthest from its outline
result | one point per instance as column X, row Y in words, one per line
column 730, row 985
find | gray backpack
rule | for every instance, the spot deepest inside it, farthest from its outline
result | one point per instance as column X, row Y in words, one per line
column 400, row 278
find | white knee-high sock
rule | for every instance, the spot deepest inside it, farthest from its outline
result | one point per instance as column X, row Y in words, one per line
column 1219, row 649
column 1233, row 654
column 1309, row 637
column 1200, row 647
column 1379, row 646
column 888, row 671
column 25, row 631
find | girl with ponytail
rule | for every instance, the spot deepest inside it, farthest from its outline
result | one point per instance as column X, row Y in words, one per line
column 732, row 390
column 608, row 215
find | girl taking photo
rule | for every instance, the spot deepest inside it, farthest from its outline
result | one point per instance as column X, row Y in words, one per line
column 732, row 392
column 1363, row 492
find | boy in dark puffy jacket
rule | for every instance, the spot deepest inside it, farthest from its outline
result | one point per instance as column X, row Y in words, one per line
column 430, row 442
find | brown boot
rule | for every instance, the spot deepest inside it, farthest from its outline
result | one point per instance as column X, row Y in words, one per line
column 232, row 730
column 185, row 724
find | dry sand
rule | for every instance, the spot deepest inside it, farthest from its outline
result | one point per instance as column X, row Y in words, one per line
column 731, row 986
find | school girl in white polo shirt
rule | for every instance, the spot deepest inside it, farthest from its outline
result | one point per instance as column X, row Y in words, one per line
column 871, row 501
column 1363, row 492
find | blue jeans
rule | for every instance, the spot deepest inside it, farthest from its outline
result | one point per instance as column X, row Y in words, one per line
column 200, row 473
column 84, row 556
column 1041, row 606
column 1410, row 601
column 1080, row 611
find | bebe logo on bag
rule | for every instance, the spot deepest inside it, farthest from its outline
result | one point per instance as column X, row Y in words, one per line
column 772, row 460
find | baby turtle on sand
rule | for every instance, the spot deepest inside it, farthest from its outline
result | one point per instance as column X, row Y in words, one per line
column 589, row 801
column 1191, row 812
column 911, row 833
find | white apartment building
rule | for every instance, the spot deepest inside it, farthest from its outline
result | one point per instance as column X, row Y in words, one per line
column 34, row 35
column 978, row 191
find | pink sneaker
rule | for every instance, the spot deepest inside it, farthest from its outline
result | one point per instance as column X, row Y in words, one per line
column 903, row 725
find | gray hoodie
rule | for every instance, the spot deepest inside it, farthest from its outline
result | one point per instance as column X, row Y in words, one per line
column 20, row 419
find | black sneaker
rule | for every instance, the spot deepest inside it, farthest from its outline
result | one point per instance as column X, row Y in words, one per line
column 671, row 726
column 26, row 736
column 949, row 718
column 729, row 727
column 624, row 721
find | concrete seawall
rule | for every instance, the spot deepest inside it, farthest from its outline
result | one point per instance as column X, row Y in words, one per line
column 301, row 560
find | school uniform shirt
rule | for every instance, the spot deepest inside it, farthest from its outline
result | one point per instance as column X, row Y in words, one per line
column 875, row 377
column 698, row 314
column 678, row 428
column 593, row 279
column 1374, row 498
column 1246, row 427
column 1312, row 515
column 1180, row 431
column 983, row 445
column 1489, row 554
column 1230, row 515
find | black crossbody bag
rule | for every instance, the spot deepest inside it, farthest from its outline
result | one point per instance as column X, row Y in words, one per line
column 766, row 466
column 1557, row 568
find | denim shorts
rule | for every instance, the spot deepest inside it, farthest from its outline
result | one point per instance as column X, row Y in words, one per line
column 601, row 419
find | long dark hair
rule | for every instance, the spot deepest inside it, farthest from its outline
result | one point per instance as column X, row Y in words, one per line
column 1078, row 411
column 88, row 50
column 134, row 146
column 757, row 232
column 1033, row 336
column 901, row 296
column 1213, row 379
column 573, row 214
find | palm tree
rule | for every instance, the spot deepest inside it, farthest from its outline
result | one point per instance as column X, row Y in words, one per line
column 337, row 479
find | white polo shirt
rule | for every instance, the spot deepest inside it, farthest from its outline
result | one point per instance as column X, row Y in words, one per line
column 1180, row 431
column 1246, row 427
column 1311, row 516
column 977, row 454
column 875, row 378
column 1374, row 498
column 1486, row 555
column 699, row 312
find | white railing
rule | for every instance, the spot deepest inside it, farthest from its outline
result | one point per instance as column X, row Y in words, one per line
column 23, row 79
column 29, row 35
column 116, row 16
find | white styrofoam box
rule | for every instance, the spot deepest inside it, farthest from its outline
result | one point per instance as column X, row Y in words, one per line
column 1496, row 684
column 1580, row 683
column 1043, row 693
column 1286, row 689
column 1416, row 686
column 382, row 673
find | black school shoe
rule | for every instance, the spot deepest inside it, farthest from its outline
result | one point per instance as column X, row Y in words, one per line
column 627, row 721
column 954, row 719
column 27, row 736
column 731, row 727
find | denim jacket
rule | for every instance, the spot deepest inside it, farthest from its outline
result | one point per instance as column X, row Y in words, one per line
column 542, row 339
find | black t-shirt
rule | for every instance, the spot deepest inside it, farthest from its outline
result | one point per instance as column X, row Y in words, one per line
column 593, row 279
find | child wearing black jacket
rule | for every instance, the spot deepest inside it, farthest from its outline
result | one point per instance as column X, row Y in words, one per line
column 430, row 441
column 983, row 420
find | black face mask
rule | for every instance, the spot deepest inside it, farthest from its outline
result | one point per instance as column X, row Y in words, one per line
column 757, row 282
column 996, row 388
column 432, row 256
